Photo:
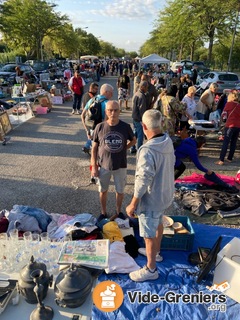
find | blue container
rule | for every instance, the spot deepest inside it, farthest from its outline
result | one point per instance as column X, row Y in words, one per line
column 177, row 241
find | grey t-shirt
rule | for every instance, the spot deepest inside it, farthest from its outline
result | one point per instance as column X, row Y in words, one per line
column 112, row 141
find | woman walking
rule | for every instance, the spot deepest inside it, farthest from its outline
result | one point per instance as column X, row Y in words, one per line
column 232, row 128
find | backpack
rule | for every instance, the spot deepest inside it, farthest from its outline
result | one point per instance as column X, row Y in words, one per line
column 94, row 113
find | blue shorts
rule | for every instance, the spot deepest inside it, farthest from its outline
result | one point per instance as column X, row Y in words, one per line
column 148, row 223
column 119, row 178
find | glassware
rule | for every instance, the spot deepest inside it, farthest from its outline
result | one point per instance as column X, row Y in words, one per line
column 27, row 236
column 44, row 236
column 13, row 233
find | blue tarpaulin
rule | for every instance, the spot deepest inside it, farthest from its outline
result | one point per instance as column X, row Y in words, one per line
column 177, row 276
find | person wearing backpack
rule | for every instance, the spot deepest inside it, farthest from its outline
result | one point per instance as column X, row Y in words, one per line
column 106, row 93
column 76, row 84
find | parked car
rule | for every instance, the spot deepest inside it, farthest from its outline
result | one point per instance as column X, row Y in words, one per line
column 44, row 67
column 8, row 73
column 175, row 66
column 225, row 80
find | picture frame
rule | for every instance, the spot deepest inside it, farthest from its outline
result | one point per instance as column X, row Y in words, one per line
column 5, row 124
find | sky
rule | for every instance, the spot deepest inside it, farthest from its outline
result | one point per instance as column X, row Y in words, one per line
column 124, row 23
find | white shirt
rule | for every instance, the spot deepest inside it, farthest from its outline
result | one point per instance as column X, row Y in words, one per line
column 191, row 107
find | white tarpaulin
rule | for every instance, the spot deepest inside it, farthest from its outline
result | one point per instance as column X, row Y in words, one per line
column 154, row 58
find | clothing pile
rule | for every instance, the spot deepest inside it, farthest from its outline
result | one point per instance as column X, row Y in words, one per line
column 211, row 195
column 82, row 226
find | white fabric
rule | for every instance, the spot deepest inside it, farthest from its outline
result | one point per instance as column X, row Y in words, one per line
column 123, row 224
column 119, row 260
column 154, row 58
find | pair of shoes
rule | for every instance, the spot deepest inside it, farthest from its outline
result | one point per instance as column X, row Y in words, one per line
column 144, row 274
column 133, row 151
column 122, row 216
column 86, row 150
column 142, row 251
column 101, row 217
column 73, row 111
column 220, row 163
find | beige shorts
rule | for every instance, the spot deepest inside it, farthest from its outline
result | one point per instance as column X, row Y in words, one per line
column 119, row 179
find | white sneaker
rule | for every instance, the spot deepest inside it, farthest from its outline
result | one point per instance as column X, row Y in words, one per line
column 73, row 111
column 78, row 112
column 142, row 251
column 143, row 274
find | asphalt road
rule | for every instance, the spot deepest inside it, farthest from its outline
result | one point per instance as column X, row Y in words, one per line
column 43, row 165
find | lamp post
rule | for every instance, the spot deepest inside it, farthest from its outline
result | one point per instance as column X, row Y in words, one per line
column 233, row 39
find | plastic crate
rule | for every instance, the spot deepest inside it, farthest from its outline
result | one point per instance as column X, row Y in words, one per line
column 179, row 241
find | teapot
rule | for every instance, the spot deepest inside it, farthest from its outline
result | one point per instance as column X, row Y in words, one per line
column 72, row 287
column 26, row 283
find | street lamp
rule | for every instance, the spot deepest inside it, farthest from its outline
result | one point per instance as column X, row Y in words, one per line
column 233, row 38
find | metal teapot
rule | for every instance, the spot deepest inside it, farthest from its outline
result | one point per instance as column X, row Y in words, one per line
column 72, row 287
column 26, row 283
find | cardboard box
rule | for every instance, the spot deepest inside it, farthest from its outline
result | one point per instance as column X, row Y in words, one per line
column 45, row 101
column 57, row 100
column 227, row 268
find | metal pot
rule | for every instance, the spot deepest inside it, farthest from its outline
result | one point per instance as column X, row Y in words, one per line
column 26, row 283
column 72, row 287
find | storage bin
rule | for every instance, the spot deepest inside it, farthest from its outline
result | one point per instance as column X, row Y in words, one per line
column 179, row 241
column 41, row 110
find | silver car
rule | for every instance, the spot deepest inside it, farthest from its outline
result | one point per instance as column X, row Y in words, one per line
column 225, row 80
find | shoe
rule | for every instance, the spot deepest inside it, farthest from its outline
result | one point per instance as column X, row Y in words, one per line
column 142, row 251
column 229, row 161
column 101, row 217
column 121, row 216
column 73, row 111
column 143, row 274
column 86, row 150
column 78, row 112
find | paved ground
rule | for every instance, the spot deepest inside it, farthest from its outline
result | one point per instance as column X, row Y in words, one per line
column 43, row 166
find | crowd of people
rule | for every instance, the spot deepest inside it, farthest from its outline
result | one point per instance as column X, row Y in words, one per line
column 157, row 115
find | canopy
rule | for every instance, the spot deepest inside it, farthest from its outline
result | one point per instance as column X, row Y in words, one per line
column 154, row 58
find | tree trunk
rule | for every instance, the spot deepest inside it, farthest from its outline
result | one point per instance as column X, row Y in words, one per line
column 210, row 47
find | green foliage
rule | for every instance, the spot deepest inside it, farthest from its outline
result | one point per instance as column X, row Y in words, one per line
column 183, row 26
column 25, row 23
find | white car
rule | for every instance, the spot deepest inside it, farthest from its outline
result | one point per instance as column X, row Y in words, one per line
column 175, row 66
column 224, row 80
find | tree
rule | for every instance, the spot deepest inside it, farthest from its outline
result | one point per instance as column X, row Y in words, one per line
column 65, row 42
column 214, row 17
column 26, row 22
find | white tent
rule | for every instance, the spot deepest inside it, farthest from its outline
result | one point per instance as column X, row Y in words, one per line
column 154, row 58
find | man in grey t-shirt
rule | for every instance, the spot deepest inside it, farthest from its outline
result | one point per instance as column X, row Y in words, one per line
column 111, row 140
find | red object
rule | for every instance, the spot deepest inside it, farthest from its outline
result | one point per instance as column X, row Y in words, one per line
column 3, row 224
column 237, row 178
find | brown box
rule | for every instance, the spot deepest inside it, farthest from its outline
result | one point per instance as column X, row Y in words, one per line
column 45, row 101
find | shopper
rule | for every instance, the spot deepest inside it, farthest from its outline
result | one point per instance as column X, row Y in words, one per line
column 232, row 128
column 111, row 140
column 76, row 84
column 153, row 191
